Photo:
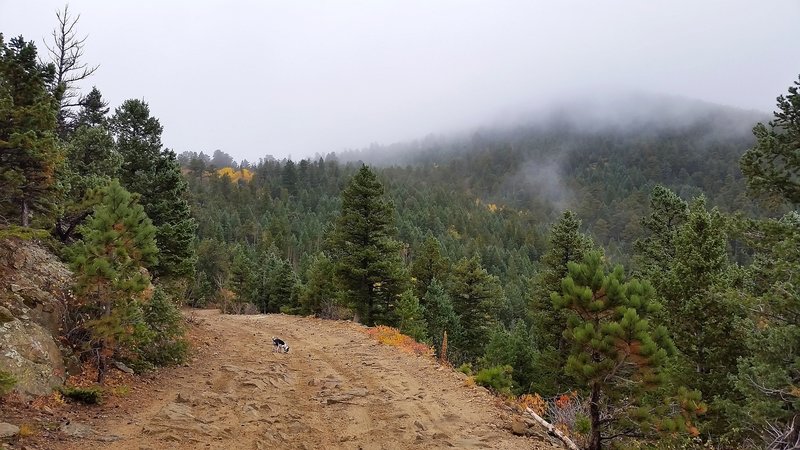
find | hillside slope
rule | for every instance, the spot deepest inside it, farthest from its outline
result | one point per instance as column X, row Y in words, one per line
column 337, row 388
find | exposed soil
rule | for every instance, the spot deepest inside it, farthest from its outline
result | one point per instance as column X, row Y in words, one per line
column 337, row 388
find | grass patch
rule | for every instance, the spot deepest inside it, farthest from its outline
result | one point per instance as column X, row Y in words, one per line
column 87, row 395
column 121, row 391
column 7, row 382
column 24, row 233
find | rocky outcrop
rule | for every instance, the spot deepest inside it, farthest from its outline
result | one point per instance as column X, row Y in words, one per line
column 34, row 287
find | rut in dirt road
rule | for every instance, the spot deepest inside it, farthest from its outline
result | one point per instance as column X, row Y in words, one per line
column 336, row 388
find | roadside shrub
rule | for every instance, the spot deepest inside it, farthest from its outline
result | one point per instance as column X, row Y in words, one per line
column 497, row 378
column 392, row 336
column 7, row 382
column 465, row 368
column 88, row 395
column 168, row 345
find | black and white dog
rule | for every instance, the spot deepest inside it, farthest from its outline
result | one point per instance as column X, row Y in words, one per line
column 279, row 346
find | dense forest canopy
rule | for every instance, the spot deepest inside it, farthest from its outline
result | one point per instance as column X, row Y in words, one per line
column 503, row 248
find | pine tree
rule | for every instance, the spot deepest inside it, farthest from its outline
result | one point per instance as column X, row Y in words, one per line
column 769, row 376
column 368, row 267
column 319, row 295
column 703, row 312
column 168, row 345
column 477, row 296
column 155, row 173
column 282, row 288
column 513, row 348
column 656, row 252
column 566, row 244
column 617, row 355
column 440, row 317
column 772, row 166
column 428, row 264
column 93, row 110
column 92, row 161
column 29, row 153
column 118, row 244
column 411, row 316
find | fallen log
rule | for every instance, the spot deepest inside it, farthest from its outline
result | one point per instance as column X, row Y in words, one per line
column 552, row 430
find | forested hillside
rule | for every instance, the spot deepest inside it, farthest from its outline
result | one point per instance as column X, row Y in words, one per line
column 503, row 249
column 472, row 235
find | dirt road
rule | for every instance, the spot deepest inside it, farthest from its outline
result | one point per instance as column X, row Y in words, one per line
column 337, row 388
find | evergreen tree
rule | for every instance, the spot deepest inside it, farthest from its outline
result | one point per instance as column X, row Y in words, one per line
column 440, row 317
column 513, row 348
column 155, row 173
column 243, row 277
column 411, row 316
column 118, row 243
column 282, row 287
column 772, row 166
column 93, row 110
column 29, row 152
column 477, row 296
column 704, row 316
column 92, row 161
column 428, row 264
column 769, row 375
column 656, row 252
column 368, row 266
column 566, row 244
column 168, row 345
column 617, row 355
column 319, row 295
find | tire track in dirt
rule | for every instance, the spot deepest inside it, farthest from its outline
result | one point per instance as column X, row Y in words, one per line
column 336, row 389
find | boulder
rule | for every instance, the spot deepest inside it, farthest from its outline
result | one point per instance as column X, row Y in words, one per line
column 34, row 290
column 8, row 430
column 31, row 354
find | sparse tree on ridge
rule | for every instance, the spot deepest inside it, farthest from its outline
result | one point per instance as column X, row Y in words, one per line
column 66, row 53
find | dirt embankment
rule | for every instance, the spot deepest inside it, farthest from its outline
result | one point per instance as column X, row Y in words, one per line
column 336, row 388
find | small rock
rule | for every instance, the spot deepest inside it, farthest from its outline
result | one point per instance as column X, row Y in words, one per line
column 76, row 429
column 358, row 392
column 5, row 315
column 109, row 438
column 419, row 425
column 518, row 427
column 8, row 430
column 180, row 398
column 123, row 367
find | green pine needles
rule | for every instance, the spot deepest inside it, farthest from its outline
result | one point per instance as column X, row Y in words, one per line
column 617, row 355
column 110, row 266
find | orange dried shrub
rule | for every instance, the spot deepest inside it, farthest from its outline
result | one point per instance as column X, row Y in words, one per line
column 392, row 336
column 535, row 402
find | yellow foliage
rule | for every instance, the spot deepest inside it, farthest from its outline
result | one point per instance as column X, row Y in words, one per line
column 392, row 336
column 469, row 382
column 236, row 175
column 26, row 430
column 491, row 207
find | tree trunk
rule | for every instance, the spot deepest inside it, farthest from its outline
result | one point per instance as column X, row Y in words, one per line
column 594, row 416
column 25, row 213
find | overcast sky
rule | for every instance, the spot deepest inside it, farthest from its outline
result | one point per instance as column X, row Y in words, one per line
column 295, row 78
